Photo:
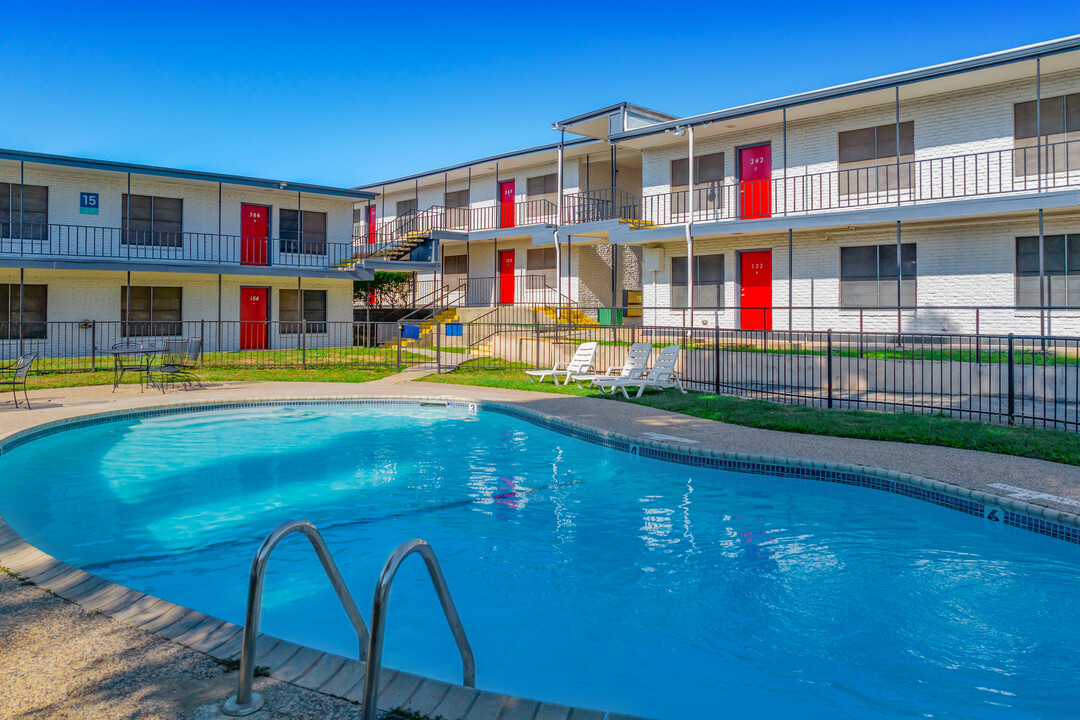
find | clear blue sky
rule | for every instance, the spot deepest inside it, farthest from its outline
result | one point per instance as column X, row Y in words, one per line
column 350, row 93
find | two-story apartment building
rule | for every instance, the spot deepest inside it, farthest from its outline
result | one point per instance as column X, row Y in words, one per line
column 94, row 253
column 907, row 200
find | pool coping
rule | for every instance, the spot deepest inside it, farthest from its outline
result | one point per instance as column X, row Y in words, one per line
column 342, row 677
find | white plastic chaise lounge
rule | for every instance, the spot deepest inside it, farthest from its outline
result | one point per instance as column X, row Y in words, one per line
column 661, row 375
column 581, row 363
column 635, row 365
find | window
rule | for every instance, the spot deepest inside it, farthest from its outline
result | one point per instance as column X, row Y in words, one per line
column 154, row 311
column 457, row 209
column 314, row 311
column 708, row 281
column 35, row 211
column 405, row 207
column 708, row 179
column 1059, row 122
column 456, row 265
column 868, row 276
column 155, row 221
column 867, row 159
column 302, row 232
column 1061, row 260
column 540, row 259
column 406, row 215
column 34, row 312
column 543, row 195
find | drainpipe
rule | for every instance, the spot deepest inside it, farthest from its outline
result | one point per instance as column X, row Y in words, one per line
column 689, row 229
column 558, row 219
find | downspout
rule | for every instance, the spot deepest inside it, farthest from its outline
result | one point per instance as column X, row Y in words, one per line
column 558, row 219
column 689, row 229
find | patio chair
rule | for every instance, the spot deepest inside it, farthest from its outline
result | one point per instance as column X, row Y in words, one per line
column 138, row 360
column 178, row 361
column 661, row 375
column 581, row 363
column 15, row 376
column 637, row 361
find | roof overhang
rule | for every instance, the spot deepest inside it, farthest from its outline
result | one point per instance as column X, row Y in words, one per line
column 611, row 120
column 192, row 175
column 1055, row 56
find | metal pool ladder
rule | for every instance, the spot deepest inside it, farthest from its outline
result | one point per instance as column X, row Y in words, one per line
column 246, row 702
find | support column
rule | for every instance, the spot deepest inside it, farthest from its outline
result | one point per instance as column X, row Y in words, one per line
column 218, row 313
column 22, row 191
column 22, row 291
column 692, row 177
column 785, row 203
column 897, row 102
column 790, row 277
column 899, row 276
column 1042, row 277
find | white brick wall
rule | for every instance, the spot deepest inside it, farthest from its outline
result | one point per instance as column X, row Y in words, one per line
column 74, row 296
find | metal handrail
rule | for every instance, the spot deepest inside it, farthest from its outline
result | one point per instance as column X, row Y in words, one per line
column 378, row 621
column 245, row 701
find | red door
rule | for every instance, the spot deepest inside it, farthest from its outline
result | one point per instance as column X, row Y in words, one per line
column 755, row 294
column 254, row 234
column 506, row 204
column 371, row 224
column 506, row 276
column 755, row 188
column 253, row 318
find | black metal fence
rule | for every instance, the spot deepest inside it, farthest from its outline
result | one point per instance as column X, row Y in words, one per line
column 1015, row 379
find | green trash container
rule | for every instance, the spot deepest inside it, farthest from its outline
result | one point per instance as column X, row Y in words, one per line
column 607, row 316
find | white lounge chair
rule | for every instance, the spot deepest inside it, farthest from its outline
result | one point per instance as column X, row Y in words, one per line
column 661, row 375
column 637, row 361
column 581, row 363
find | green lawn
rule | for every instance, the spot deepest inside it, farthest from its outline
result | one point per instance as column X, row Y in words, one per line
column 1053, row 445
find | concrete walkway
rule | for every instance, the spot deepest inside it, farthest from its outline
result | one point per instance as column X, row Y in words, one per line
column 60, row 659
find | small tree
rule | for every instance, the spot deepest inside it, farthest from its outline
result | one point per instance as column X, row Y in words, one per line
column 388, row 289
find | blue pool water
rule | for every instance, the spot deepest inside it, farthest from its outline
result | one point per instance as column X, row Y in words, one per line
column 583, row 575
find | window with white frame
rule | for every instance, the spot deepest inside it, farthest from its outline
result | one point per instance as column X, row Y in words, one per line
column 23, row 313
column 455, row 271
column 313, row 311
column 153, row 312
column 868, row 276
column 24, row 211
column 1058, row 121
column 1061, row 261
column 708, row 281
column 867, row 159
column 542, row 194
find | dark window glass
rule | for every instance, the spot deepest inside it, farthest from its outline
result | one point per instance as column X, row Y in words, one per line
column 35, row 211
column 302, row 231
column 1061, row 262
column 404, row 207
column 457, row 199
column 153, row 312
column 540, row 259
column 314, row 311
column 544, row 185
column 876, row 143
column 31, row 324
column 455, row 264
column 1059, row 114
column 868, row 276
column 149, row 220
column 708, row 281
column 707, row 169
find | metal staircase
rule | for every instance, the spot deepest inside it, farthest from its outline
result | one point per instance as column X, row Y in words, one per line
column 246, row 702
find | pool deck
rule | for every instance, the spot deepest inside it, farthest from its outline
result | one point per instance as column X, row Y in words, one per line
column 74, row 645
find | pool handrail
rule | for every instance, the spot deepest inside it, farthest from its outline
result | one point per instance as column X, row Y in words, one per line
column 245, row 701
column 368, row 705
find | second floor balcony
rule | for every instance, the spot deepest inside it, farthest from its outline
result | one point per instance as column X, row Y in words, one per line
column 32, row 241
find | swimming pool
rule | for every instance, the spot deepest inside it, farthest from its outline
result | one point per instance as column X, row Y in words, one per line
column 583, row 575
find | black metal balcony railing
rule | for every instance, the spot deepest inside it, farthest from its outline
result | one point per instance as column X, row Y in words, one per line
column 602, row 204
column 985, row 174
column 56, row 240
